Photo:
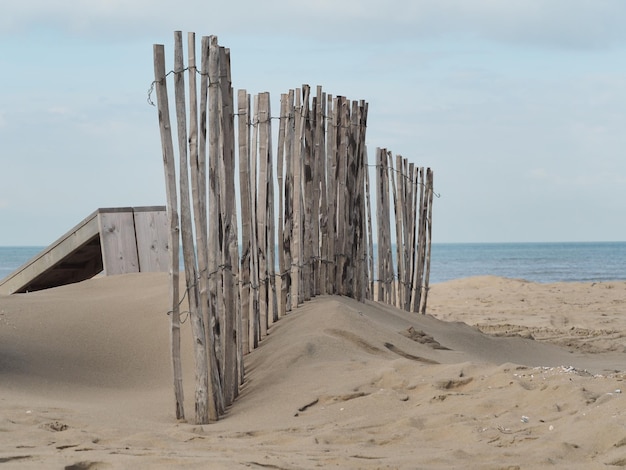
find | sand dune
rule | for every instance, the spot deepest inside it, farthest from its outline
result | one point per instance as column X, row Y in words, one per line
column 502, row 374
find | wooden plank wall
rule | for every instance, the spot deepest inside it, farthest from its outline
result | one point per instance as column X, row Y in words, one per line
column 304, row 208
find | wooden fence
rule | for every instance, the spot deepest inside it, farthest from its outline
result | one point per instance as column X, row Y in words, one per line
column 305, row 214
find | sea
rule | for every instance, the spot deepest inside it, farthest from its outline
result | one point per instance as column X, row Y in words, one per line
column 537, row 262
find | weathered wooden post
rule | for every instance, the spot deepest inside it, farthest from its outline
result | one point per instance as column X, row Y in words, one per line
column 341, row 228
column 261, row 114
column 319, row 186
column 308, row 226
column 297, row 252
column 228, row 234
column 331, row 171
column 287, row 228
column 265, row 216
column 320, row 149
column 198, row 137
column 216, row 299
column 428, row 236
column 172, row 216
column 197, row 324
column 255, row 268
column 243, row 112
column 361, row 285
column 396, row 180
column 370, row 236
column 280, row 170
column 419, row 265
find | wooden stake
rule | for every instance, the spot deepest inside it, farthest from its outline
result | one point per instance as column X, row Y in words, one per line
column 286, row 281
column 216, row 297
column 370, row 237
column 297, row 247
column 197, row 324
column 331, row 171
column 172, row 216
column 320, row 144
column 261, row 120
column 280, row 169
column 243, row 112
column 429, row 215
column 255, row 316
column 229, row 243
column 200, row 211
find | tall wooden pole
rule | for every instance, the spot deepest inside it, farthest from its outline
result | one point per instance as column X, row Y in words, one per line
column 172, row 217
column 216, row 296
column 215, row 386
column 255, row 315
column 320, row 145
column 280, row 170
column 261, row 120
column 229, row 238
column 287, row 229
column 429, row 216
column 197, row 323
column 243, row 112
column 331, row 171
column 370, row 238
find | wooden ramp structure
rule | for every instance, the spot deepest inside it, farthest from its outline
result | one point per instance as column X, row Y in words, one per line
column 109, row 241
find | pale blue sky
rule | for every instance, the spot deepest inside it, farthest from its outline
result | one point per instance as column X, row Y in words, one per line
column 519, row 106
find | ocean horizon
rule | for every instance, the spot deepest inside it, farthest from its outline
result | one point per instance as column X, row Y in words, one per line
column 542, row 262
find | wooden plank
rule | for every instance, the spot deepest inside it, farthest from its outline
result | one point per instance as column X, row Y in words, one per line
column 117, row 239
column 151, row 236
column 37, row 273
column 172, row 213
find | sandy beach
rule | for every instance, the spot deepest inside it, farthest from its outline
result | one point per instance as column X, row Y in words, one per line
column 501, row 374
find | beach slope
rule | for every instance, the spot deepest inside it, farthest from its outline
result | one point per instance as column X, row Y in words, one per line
column 501, row 374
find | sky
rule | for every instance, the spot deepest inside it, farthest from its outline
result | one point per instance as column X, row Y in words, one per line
column 518, row 106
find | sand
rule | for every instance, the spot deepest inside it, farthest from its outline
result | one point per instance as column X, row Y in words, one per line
column 501, row 374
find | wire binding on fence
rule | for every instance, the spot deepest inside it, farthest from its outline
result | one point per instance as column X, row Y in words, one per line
column 414, row 183
column 154, row 82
